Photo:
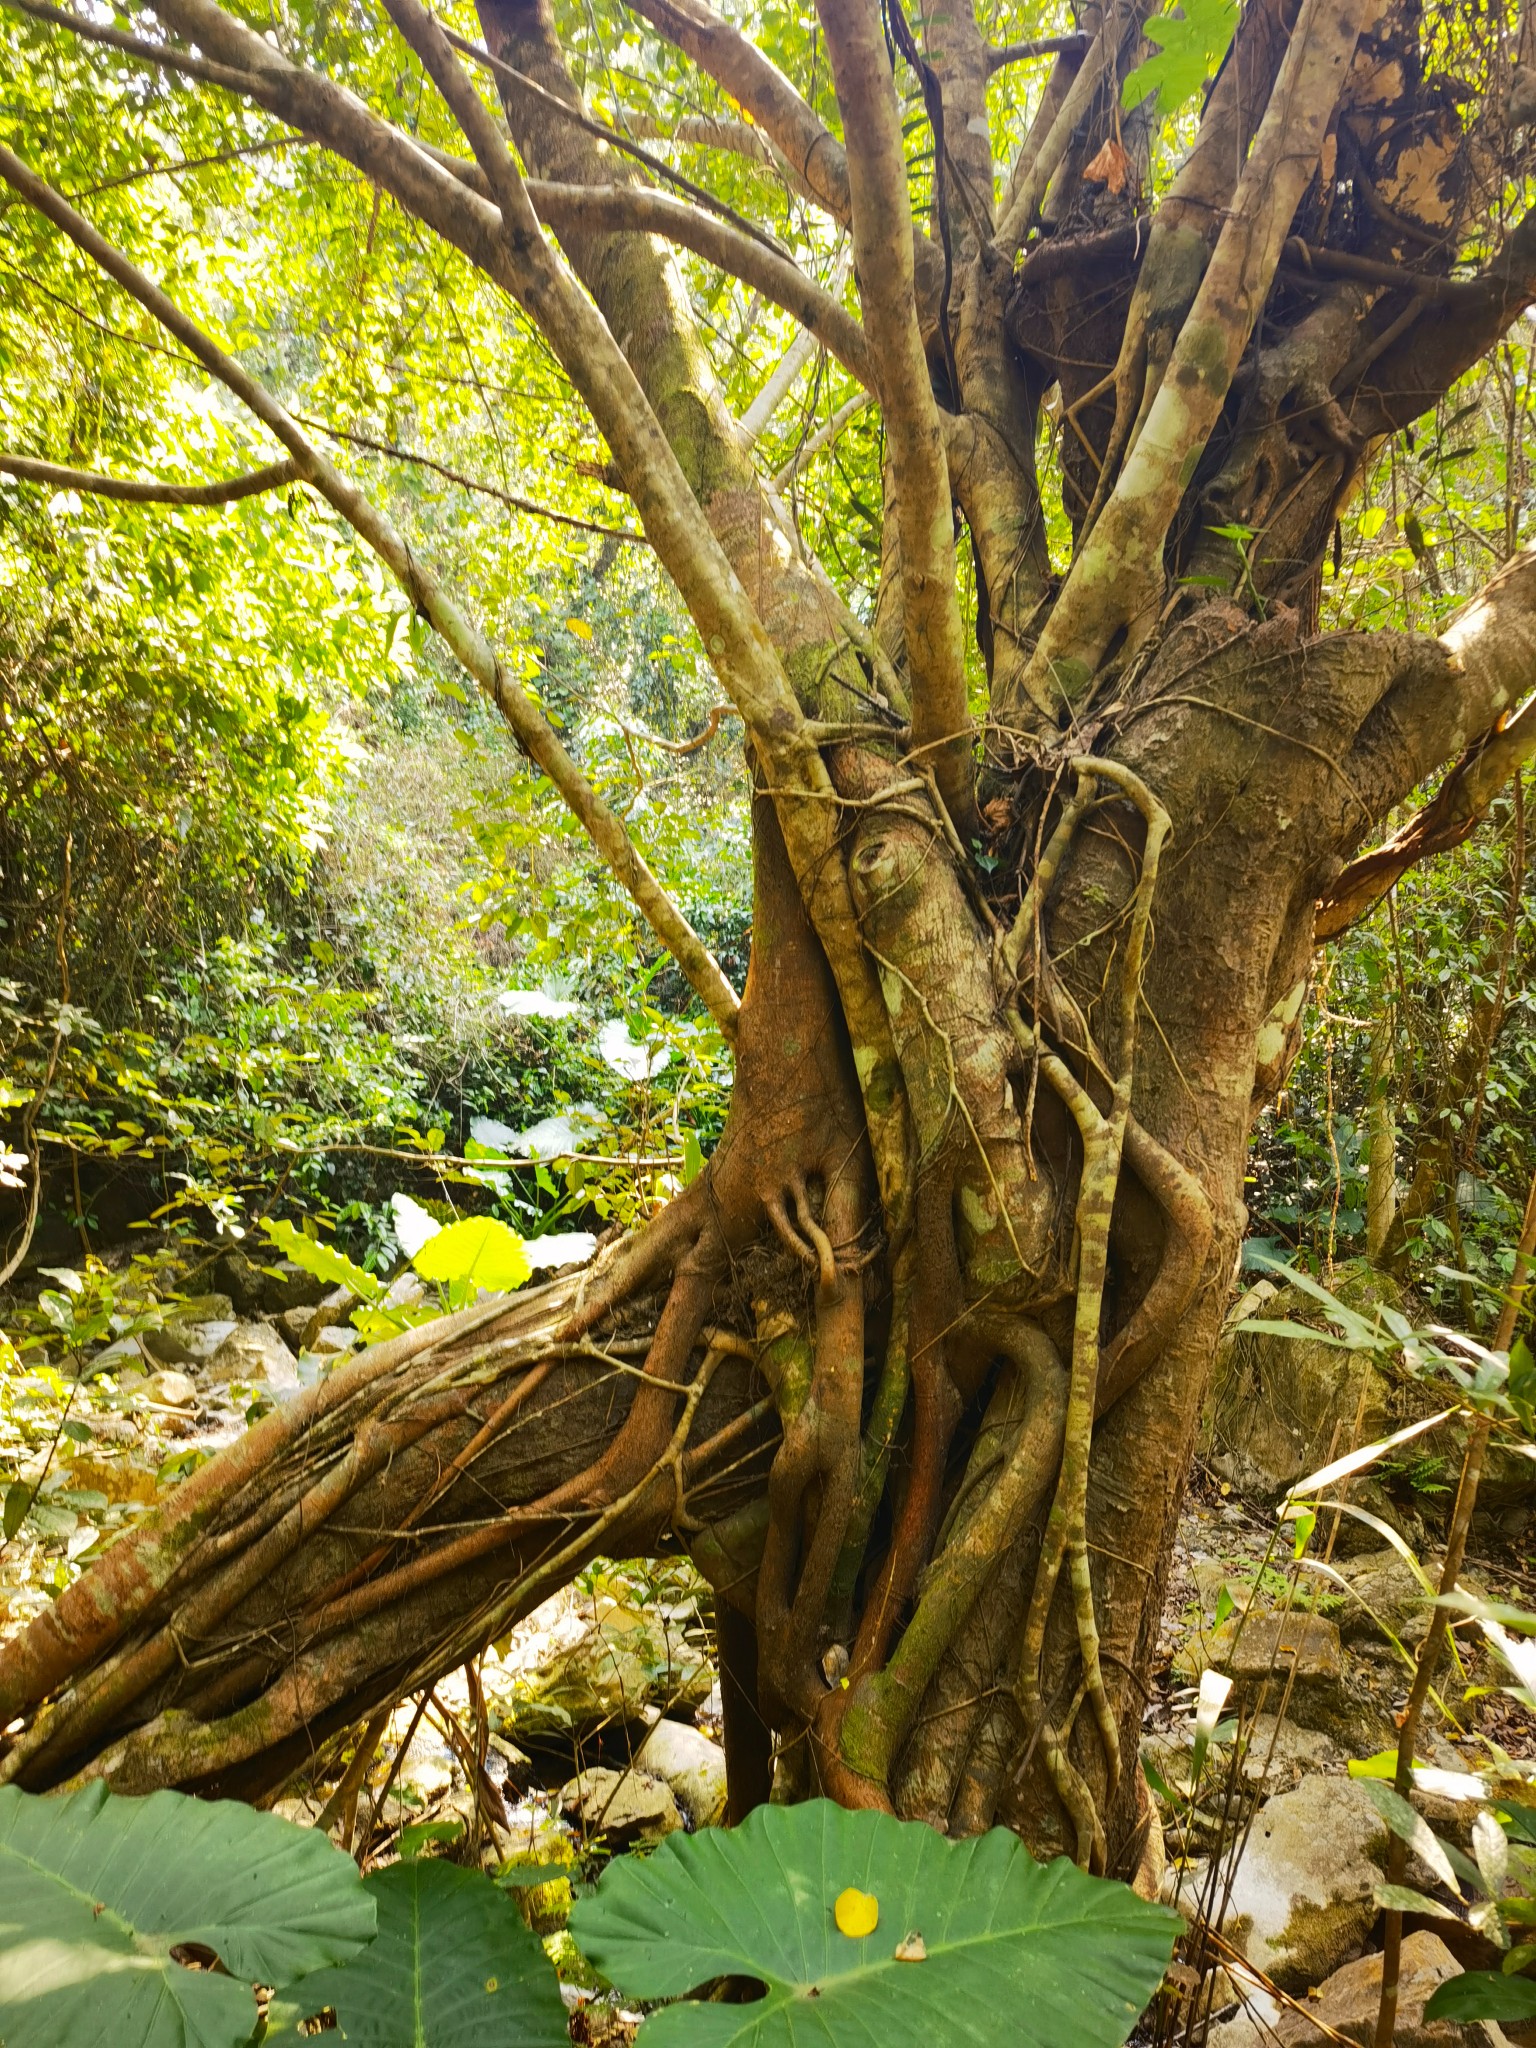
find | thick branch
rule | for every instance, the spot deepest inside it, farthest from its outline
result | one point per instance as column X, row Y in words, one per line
column 632, row 208
column 1038, row 46
column 136, row 491
column 759, row 87
column 1116, row 584
column 1491, row 666
column 533, row 731
column 882, row 254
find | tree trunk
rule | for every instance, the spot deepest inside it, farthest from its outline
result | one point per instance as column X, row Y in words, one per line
column 913, row 1369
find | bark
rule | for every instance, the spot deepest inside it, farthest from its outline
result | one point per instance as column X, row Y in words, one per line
column 913, row 1369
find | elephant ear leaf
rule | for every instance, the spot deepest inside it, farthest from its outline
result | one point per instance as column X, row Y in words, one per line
column 148, row 1922
column 866, row 1928
column 453, row 1967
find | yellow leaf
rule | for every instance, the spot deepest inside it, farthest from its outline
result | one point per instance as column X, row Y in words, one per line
column 579, row 627
column 856, row 1913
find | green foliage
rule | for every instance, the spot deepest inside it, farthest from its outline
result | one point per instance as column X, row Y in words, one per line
column 453, row 1967
column 148, row 1921
column 1071, row 1959
column 323, row 1260
column 105, row 1902
column 479, row 1252
column 1190, row 45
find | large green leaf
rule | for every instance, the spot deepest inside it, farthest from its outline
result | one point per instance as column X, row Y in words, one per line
column 1190, row 47
column 323, row 1260
column 1483, row 1995
column 481, row 1250
column 453, row 1967
column 100, row 1897
column 1039, row 1954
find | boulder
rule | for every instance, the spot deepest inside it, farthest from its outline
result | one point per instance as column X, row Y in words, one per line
column 1303, row 1899
column 254, row 1354
column 624, row 1806
column 1350, row 1999
column 168, row 1389
column 692, row 1765
column 580, row 1664
column 257, row 1285
column 1261, row 1651
column 1279, row 1405
column 327, row 1314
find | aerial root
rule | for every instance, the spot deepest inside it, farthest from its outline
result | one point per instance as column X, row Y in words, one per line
column 1102, row 1136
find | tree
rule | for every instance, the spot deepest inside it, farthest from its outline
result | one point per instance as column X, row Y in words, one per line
column 913, row 1368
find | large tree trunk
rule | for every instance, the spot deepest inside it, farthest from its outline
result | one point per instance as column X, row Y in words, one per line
column 914, row 1368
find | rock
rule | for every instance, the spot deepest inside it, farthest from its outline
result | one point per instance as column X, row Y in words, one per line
column 1304, row 1896
column 270, row 1285
column 625, row 1806
column 202, row 1308
column 292, row 1323
column 170, row 1390
column 118, row 1478
column 1278, row 1405
column 326, row 1315
column 1385, row 1599
column 578, row 1663
column 168, row 1346
column 692, row 1765
column 1280, row 1754
column 253, row 1353
column 1348, row 2003
column 1260, row 1651
column 1280, row 1644
column 333, row 1340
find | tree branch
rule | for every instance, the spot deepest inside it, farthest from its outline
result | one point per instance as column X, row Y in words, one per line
column 1453, row 814
column 1038, row 46
column 132, row 491
column 508, row 74
column 759, row 87
column 1469, row 679
column 133, row 46
column 633, row 208
column 882, row 254
column 1075, row 82
column 1115, row 587
column 533, row 731
column 416, row 460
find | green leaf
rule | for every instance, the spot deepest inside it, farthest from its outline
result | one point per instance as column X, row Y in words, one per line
column 1191, row 45
column 1517, row 1820
column 481, row 1250
column 1412, row 1828
column 1402, row 1898
column 18, row 1498
column 1483, row 1995
column 323, row 1260
column 1001, row 1935
column 99, row 1894
column 453, row 1967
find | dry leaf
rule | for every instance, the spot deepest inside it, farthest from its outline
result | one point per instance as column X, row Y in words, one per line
column 1111, row 167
